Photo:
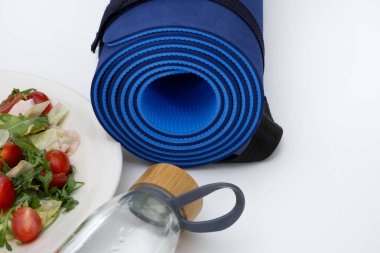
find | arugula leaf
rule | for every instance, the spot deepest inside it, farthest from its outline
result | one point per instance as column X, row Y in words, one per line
column 5, row 230
column 45, row 179
column 22, row 125
column 30, row 199
column 5, row 168
column 64, row 195
column 32, row 154
column 24, row 93
column 34, row 202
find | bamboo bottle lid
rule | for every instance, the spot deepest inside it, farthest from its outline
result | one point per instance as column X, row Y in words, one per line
column 173, row 180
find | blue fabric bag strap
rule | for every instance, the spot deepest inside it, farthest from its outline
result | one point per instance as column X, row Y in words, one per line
column 268, row 135
column 118, row 7
column 263, row 143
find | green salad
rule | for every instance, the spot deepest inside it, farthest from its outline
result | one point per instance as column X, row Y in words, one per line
column 36, row 175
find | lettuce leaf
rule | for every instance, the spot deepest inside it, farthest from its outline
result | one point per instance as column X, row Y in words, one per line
column 4, row 136
column 57, row 114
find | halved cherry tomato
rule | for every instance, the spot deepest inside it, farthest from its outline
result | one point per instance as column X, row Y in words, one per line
column 26, row 224
column 59, row 162
column 58, row 180
column 7, row 104
column 7, row 193
column 11, row 154
column 38, row 98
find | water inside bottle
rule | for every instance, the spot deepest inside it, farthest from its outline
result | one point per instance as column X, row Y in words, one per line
column 138, row 222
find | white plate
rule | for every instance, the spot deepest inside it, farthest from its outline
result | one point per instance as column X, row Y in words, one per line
column 98, row 160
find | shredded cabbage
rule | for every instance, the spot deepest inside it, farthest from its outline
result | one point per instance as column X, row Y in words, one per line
column 21, row 168
column 56, row 138
column 57, row 114
column 22, row 107
column 37, row 109
column 28, row 108
column 69, row 141
column 48, row 210
column 46, row 140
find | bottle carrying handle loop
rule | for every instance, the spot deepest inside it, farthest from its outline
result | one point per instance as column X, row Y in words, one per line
column 213, row 225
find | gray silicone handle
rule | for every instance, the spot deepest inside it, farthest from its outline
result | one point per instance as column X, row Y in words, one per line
column 214, row 225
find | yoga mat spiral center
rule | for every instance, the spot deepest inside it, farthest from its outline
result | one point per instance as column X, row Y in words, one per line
column 181, row 103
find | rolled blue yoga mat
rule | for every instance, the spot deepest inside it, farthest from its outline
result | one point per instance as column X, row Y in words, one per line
column 180, row 81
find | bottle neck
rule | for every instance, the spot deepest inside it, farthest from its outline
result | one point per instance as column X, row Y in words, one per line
column 162, row 196
column 153, row 205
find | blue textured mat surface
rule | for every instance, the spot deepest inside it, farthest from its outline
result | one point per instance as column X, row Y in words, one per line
column 180, row 81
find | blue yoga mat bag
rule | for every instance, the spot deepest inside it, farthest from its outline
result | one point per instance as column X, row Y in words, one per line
column 180, row 81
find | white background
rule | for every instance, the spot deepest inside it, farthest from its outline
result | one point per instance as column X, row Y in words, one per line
column 320, row 191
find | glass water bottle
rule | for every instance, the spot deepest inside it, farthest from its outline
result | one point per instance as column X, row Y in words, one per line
column 150, row 217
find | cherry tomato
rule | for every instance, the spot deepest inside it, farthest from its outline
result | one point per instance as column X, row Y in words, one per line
column 59, row 162
column 58, row 180
column 38, row 98
column 26, row 224
column 7, row 193
column 7, row 104
column 11, row 154
column 1, row 164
